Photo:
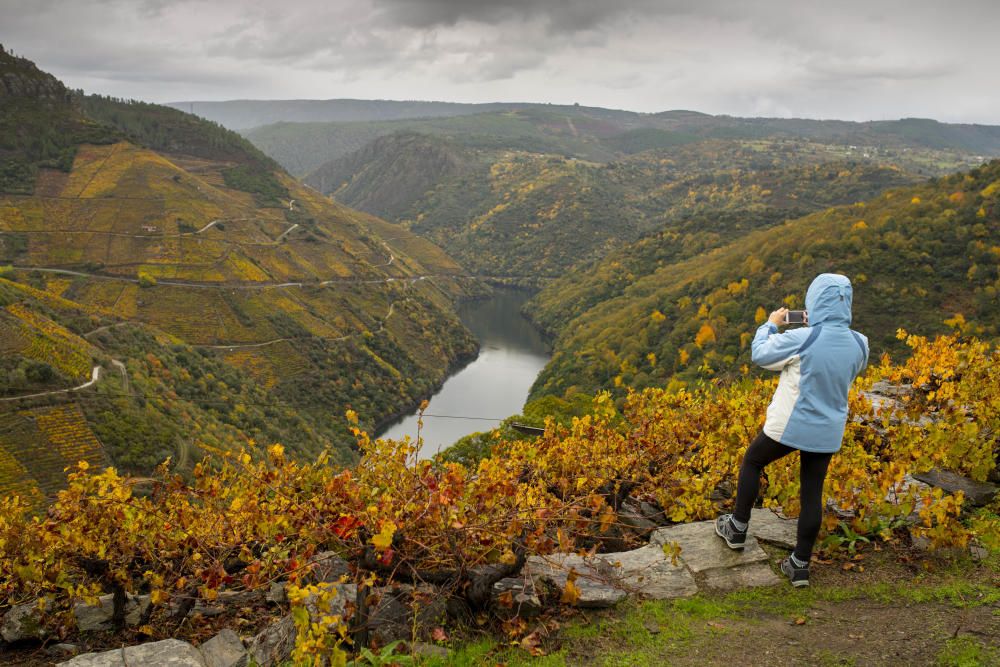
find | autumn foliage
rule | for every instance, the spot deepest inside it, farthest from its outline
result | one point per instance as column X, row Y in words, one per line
column 242, row 522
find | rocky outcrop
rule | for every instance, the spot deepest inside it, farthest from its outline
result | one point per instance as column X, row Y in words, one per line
column 166, row 653
column 976, row 493
column 20, row 78
column 274, row 644
column 224, row 650
column 90, row 618
column 23, row 621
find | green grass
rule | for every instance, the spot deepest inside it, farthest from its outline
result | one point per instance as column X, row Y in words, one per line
column 968, row 652
column 622, row 636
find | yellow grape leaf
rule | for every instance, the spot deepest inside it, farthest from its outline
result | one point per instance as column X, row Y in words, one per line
column 384, row 538
column 157, row 596
column 571, row 593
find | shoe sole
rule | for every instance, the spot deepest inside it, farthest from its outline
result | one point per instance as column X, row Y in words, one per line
column 731, row 545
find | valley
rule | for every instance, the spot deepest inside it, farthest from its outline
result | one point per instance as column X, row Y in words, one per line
column 356, row 381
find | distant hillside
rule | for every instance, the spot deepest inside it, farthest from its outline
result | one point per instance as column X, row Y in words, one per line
column 606, row 134
column 653, row 311
column 304, row 147
column 388, row 175
column 245, row 114
column 219, row 300
column 528, row 216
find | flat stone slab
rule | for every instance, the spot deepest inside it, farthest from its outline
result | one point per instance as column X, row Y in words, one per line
column 702, row 549
column 594, row 577
column 96, row 618
column 766, row 526
column 744, row 576
column 648, row 572
column 224, row 650
column 166, row 653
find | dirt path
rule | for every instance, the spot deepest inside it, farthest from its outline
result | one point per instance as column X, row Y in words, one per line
column 901, row 609
column 95, row 375
column 854, row 632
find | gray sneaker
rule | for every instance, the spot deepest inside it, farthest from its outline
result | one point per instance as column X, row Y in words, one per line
column 724, row 528
column 799, row 576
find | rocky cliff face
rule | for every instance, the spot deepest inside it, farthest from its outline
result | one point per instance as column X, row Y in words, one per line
column 19, row 78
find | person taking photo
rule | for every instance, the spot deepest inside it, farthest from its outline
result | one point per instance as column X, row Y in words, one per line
column 808, row 413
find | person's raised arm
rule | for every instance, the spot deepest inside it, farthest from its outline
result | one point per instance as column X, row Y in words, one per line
column 770, row 349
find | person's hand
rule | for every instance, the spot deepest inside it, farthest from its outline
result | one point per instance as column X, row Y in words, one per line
column 777, row 318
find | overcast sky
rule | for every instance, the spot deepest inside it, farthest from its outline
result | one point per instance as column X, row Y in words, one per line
column 849, row 59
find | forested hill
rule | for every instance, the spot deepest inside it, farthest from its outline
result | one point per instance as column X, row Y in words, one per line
column 245, row 114
column 195, row 295
column 527, row 216
column 606, row 134
column 924, row 258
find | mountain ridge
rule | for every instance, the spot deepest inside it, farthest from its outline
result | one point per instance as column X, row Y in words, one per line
column 216, row 300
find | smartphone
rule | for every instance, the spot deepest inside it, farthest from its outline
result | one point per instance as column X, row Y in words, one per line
column 796, row 317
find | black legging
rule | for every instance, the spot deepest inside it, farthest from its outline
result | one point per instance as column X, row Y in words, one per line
column 812, row 473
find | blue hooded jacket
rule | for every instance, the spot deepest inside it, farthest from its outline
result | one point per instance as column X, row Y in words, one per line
column 818, row 363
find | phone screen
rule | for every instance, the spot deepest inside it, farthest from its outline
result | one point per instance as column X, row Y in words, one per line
column 795, row 317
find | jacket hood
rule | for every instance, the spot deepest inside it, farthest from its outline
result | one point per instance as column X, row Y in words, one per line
column 828, row 299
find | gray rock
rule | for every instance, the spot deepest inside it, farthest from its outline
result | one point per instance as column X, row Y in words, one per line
column 594, row 577
column 978, row 552
column 887, row 389
column 166, row 653
column 429, row 650
column 229, row 599
column 430, row 603
column 96, row 618
column 881, row 403
column 23, row 621
column 338, row 603
column 277, row 593
column 389, row 620
column 702, row 549
column 653, row 513
column 838, row 511
column 224, row 650
column 976, row 493
column 650, row 573
column 274, row 644
column 631, row 516
column 63, row 650
column 768, row 527
column 328, row 567
column 526, row 602
column 744, row 576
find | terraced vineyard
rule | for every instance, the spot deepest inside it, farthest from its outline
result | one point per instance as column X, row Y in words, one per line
column 242, row 305
column 39, row 443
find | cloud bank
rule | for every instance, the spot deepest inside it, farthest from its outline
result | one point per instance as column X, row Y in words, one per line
column 851, row 59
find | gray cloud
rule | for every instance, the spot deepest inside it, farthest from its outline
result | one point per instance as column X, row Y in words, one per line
column 854, row 59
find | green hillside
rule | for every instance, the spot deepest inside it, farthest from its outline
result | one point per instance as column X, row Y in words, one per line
column 918, row 256
column 602, row 135
column 215, row 299
column 39, row 125
column 386, row 176
column 524, row 215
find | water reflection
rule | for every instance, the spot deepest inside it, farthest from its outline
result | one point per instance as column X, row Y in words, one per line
column 492, row 387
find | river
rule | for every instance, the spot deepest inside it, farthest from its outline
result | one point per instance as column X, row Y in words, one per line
column 493, row 386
